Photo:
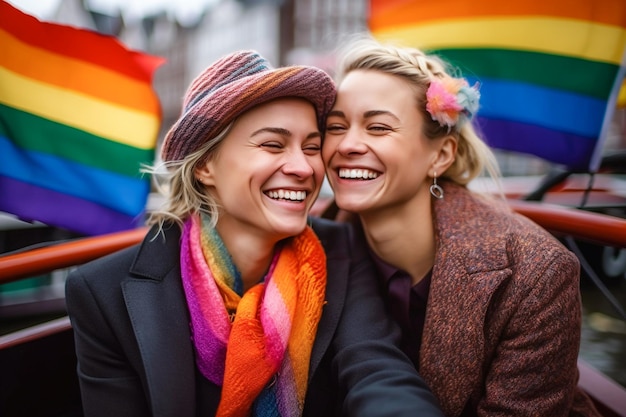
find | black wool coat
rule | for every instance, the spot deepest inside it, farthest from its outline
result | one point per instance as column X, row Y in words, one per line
column 135, row 355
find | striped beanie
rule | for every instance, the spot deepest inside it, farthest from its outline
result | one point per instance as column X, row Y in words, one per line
column 234, row 84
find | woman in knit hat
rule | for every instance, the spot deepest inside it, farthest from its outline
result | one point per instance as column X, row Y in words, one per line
column 489, row 303
column 236, row 303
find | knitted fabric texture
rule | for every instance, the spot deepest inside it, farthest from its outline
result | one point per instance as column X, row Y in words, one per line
column 261, row 359
column 234, row 84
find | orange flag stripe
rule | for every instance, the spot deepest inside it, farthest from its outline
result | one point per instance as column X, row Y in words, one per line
column 77, row 75
column 102, row 50
column 387, row 13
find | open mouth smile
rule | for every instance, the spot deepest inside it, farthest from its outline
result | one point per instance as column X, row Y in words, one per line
column 357, row 173
column 288, row 195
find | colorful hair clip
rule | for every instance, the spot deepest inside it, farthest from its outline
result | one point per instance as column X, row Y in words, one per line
column 451, row 101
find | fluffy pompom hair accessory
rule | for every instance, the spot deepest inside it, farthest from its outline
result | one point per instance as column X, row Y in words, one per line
column 451, row 101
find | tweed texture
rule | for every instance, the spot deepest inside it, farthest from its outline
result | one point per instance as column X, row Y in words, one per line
column 236, row 83
column 503, row 321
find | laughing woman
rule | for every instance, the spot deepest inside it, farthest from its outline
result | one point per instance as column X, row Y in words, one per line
column 489, row 303
column 233, row 305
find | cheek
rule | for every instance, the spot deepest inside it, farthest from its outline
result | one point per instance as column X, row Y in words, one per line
column 328, row 149
column 318, row 169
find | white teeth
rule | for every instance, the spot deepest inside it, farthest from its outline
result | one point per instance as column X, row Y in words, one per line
column 287, row 195
column 365, row 174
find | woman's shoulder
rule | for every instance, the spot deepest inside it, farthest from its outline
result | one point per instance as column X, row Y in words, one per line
column 113, row 266
column 153, row 250
column 328, row 230
column 516, row 228
column 492, row 230
column 493, row 216
column 335, row 236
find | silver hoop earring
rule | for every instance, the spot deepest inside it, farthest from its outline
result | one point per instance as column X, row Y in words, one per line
column 435, row 190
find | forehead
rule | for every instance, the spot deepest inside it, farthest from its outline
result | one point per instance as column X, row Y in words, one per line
column 363, row 91
column 365, row 86
column 292, row 113
column 277, row 107
column 289, row 117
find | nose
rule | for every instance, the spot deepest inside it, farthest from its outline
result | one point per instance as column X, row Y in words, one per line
column 299, row 164
column 351, row 143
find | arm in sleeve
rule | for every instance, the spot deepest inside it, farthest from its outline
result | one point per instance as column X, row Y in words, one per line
column 375, row 376
column 109, row 384
column 534, row 367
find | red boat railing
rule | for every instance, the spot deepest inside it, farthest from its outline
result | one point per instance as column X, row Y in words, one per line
column 609, row 396
column 594, row 227
column 64, row 255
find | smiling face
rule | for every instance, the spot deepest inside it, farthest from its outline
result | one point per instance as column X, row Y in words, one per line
column 376, row 155
column 267, row 172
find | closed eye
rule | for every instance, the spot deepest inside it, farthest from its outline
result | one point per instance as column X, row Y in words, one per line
column 335, row 128
column 379, row 129
column 272, row 145
column 312, row 149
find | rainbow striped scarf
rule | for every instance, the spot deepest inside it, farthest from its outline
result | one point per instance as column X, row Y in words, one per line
column 261, row 359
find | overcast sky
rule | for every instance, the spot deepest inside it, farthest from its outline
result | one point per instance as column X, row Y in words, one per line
column 129, row 8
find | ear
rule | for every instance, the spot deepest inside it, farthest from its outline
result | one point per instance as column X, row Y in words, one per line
column 204, row 172
column 445, row 156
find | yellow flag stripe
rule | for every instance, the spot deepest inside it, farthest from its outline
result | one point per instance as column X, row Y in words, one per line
column 114, row 122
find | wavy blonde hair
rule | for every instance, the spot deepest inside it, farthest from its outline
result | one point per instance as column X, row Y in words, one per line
column 183, row 194
column 473, row 156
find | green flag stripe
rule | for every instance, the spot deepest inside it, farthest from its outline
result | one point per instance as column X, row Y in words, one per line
column 34, row 133
column 559, row 72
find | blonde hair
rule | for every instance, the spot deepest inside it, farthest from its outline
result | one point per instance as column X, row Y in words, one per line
column 177, row 182
column 473, row 155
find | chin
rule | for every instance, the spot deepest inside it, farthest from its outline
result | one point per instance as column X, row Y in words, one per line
column 290, row 228
column 352, row 203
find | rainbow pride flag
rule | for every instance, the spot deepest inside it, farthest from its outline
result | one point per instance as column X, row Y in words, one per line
column 78, row 116
column 550, row 70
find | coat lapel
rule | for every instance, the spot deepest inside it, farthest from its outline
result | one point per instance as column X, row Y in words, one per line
column 453, row 342
column 466, row 274
column 335, row 242
column 336, row 287
column 158, row 312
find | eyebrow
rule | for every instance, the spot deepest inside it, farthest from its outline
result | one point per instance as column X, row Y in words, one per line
column 283, row 132
column 368, row 114
column 372, row 113
column 337, row 113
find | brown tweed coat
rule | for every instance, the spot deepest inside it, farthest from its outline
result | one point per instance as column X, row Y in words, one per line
column 503, row 321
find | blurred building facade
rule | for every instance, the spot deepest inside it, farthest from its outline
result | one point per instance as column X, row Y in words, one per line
column 284, row 31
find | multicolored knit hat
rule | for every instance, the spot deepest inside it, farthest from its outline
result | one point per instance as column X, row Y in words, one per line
column 234, row 84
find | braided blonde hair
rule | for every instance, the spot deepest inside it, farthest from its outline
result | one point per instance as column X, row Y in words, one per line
column 364, row 53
